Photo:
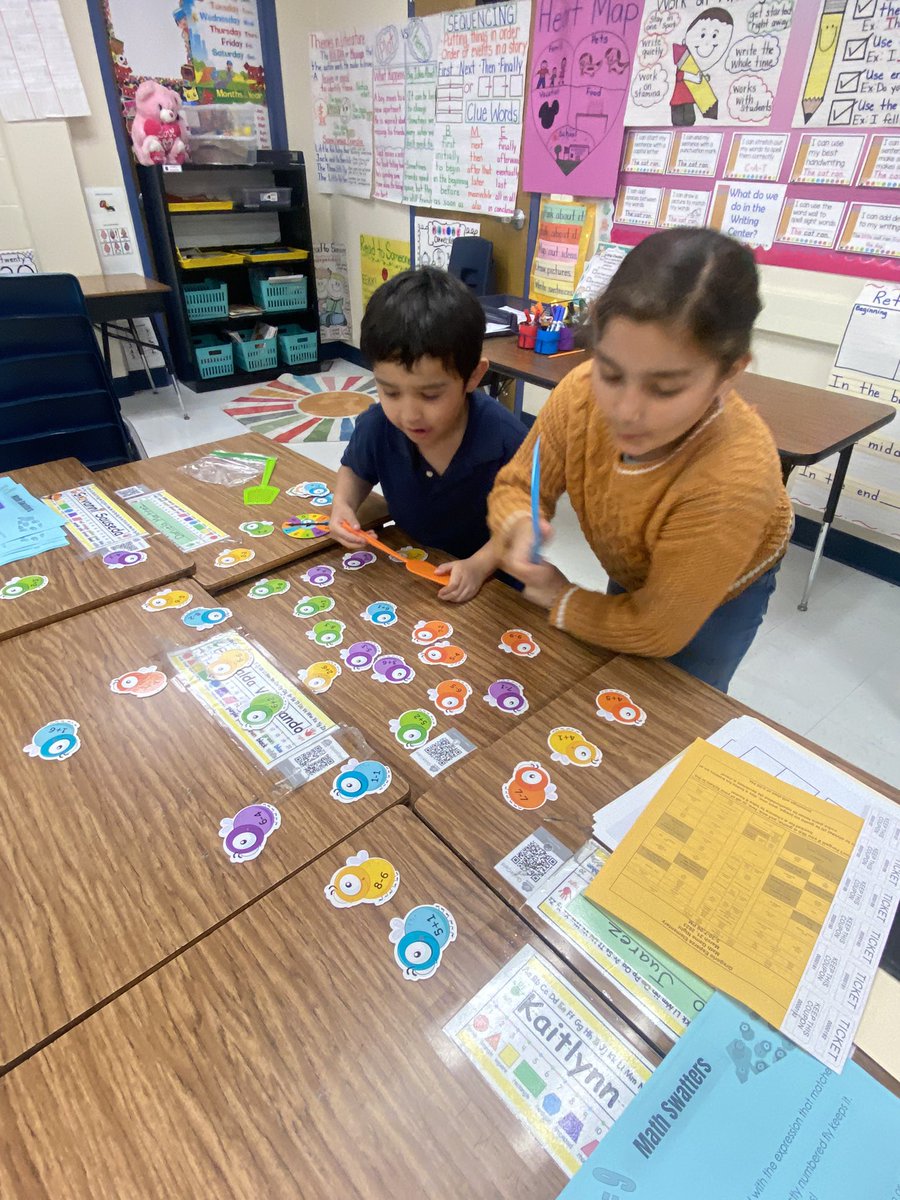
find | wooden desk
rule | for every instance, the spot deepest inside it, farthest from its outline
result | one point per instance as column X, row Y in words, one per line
column 113, row 299
column 807, row 423
column 115, row 862
column 120, row 297
column 77, row 581
column 469, row 813
column 543, row 370
column 286, row 1056
column 477, row 626
column 224, row 506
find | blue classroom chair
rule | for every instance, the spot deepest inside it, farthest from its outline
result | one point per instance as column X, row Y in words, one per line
column 56, row 396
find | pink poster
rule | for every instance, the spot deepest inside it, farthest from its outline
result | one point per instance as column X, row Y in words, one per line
column 581, row 56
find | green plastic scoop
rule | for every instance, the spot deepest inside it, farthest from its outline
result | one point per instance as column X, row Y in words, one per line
column 263, row 492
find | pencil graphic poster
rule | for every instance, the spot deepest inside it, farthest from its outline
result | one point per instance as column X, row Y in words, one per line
column 852, row 75
column 709, row 64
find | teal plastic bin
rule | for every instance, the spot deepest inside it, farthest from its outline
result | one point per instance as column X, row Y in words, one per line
column 296, row 345
column 215, row 357
column 206, row 301
column 259, row 355
column 273, row 295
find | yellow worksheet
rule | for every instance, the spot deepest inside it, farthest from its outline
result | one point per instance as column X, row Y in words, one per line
column 732, row 872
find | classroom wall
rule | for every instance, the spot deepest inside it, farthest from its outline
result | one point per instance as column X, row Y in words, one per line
column 804, row 313
column 47, row 211
column 14, row 231
column 93, row 141
column 45, row 165
column 49, row 163
column 341, row 218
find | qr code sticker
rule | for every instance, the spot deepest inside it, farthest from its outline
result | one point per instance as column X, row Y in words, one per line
column 532, row 860
column 313, row 761
column 441, row 753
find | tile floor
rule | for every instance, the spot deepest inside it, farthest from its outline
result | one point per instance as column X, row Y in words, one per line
column 832, row 674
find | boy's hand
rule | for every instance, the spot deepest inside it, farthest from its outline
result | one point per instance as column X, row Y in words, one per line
column 340, row 513
column 466, row 578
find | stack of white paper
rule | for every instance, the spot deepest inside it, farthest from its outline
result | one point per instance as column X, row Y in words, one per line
column 829, row 1001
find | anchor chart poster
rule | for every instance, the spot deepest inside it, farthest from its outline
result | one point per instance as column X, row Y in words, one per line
column 581, row 63
column 708, row 64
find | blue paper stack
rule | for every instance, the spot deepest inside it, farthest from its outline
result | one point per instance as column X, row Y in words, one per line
column 27, row 526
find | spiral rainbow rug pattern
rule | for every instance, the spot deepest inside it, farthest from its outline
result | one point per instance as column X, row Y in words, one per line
column 305, row 408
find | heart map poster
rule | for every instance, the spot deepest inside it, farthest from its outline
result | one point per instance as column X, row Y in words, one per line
column 581, row 64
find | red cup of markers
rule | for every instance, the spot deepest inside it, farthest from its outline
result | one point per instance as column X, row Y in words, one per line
column 527, row 336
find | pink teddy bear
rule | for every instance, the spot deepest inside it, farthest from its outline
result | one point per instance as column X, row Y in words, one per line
column 158, row 133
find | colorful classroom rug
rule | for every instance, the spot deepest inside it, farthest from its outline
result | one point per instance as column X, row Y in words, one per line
column 305, row 408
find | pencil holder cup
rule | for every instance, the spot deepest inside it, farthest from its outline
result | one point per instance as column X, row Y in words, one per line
column 547, row 341
column 527, row 334
column 566, row 338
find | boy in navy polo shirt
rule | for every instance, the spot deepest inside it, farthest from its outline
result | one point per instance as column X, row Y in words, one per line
column 434, row 444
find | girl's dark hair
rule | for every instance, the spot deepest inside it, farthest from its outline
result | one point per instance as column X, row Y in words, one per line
column 424, row 312
column 696, row 281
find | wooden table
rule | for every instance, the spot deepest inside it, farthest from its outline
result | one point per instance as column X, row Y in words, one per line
column 285, row 1056
column 113, row 299
column 76, row 580
column 120, row 297
column 807, row 423
column 224, row 506
column 477, row 627
column 468, row 810
column 543, row 370
column 112, row 860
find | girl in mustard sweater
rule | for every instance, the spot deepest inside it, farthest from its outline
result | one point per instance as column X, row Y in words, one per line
column 675, row 480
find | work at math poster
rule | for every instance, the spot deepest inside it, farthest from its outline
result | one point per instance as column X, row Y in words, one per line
column 709, row 64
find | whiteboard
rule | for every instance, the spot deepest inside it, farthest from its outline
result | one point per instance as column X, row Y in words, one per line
column 153, row 42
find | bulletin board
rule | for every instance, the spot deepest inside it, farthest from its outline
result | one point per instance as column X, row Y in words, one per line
column 424, row 112
column 831, row 144
column 509, row 243
column 210, row 53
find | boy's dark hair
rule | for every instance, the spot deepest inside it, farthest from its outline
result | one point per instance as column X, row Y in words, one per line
column 424, row 312
column 698, row 281
column 712, row 14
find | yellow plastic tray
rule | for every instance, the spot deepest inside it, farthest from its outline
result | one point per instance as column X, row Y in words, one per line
column 196, row 206
column 280, row 254
column 221, row 258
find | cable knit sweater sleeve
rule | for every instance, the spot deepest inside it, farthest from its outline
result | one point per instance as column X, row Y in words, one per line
column 510, row 498
column 702, row 548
